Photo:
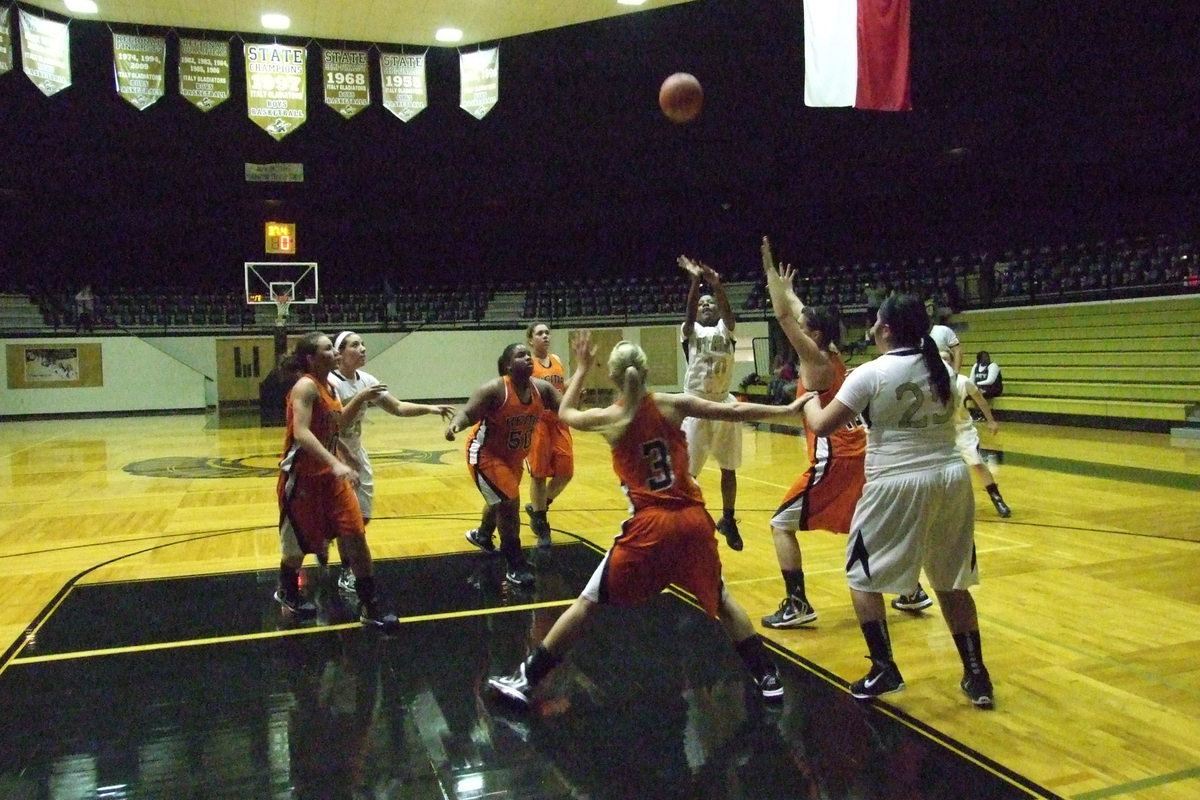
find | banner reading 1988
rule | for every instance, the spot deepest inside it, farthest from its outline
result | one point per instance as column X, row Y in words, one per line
column 276, row 91
column 479, row 73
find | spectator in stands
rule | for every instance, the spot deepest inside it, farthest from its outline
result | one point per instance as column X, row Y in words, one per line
column 708, row 345
column 782, row 387
column 986, row 375
column 873, row 296
column 85, row 309
column 953, row 296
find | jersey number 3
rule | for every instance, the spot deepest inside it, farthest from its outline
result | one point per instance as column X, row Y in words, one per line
column 658, row 465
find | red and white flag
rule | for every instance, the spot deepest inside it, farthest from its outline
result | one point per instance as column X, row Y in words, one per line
column 856, row 54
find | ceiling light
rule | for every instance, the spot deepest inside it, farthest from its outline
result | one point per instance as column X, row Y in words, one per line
column 275, row 22
column 630, row 2
column 81, row 6
column 448, row 35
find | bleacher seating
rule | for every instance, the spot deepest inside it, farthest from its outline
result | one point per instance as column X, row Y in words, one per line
column 1121, row 364
column 1019, row 276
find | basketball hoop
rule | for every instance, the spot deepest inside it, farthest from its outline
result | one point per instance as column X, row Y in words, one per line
column 282, row 301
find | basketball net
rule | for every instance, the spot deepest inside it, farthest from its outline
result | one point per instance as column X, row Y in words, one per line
column 282, row 301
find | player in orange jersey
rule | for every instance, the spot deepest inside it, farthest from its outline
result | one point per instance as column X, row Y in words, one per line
column 670, row 537
column 551, row 459
column 316, row 488
column 825, row 495
column 504, row 412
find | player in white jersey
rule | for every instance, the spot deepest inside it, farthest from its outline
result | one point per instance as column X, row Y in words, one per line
column 708, row 344
column 967, row 438
column 966, row 442
column 357, row 390
column 917, row 508
column 946, row 339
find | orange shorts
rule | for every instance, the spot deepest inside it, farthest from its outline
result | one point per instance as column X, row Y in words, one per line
column 551, row 454
column 496, row 480
column 823, row 498
column 658, row 547
column 316, row 508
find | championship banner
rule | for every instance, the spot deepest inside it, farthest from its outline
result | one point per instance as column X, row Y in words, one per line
column 480, row 80
column 5, row 41
column 204, row 72
column 276, row 93
column 140, row 67
column 347, row 81
column 403, row 79
column 45, row 53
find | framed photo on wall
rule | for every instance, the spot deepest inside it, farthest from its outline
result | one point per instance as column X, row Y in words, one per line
column 54, row 366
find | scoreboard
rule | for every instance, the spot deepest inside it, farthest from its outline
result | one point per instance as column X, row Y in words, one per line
column 281, row 237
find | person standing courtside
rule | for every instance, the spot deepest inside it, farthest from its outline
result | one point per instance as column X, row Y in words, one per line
column 669, row 536
column 504, row 412
column 357, row 390
column 708, row 346
column 316, row 489
column 917, row 508
column 551, row 459
column 825, row 495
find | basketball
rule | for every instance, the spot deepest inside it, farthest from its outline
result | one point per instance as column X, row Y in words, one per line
column 681, row 97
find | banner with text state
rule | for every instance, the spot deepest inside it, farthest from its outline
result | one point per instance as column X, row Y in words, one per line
column 480, row 81
column 276, row 87
column 204, row 72
column 403, row 80
column 347, row 81
column 45, row 53
column 5, row 41
column 140, row 68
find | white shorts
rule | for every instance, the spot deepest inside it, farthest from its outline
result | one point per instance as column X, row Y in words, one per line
column 720, row 438
column 903, row 523
column 365, row 491
column 966, row 441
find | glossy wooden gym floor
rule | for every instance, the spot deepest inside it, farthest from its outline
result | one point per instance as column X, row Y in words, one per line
column 146, row 658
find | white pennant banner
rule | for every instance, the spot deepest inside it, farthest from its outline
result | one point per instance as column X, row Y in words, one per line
column 480, row 80
column 45, row 53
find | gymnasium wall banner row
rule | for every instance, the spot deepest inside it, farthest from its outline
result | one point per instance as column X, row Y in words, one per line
column 54, row 366
column 276, row 74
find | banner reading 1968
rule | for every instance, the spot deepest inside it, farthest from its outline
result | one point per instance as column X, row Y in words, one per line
column 5, row 41
column 347, row 81
column 204, row 72
column 140, row 67
column 276, row 90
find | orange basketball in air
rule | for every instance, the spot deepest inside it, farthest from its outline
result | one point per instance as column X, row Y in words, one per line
column 681, row 97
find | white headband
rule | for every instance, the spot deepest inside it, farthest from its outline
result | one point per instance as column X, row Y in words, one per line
column 341, row 337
